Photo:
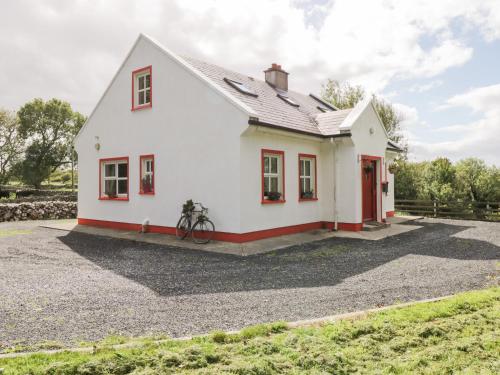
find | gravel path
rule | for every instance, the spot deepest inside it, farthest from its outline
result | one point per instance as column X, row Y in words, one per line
column 70, row 287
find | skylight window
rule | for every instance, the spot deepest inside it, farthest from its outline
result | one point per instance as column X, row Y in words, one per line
column 322, row 109
column 240, row 87
column 321, row 101
column 287, row 99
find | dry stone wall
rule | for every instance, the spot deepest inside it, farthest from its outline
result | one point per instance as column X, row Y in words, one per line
column 37, row 211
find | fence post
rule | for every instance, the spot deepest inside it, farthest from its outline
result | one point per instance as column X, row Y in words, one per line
column 435, row 208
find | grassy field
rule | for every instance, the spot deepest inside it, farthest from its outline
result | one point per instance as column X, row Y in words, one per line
column 460, row 335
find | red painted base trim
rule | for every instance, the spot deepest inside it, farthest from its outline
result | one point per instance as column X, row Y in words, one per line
column 109, row 224
column 227, row 236
column 351, row 227
column 389, row 214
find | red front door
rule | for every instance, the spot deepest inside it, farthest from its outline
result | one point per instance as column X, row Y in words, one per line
column 369, row 190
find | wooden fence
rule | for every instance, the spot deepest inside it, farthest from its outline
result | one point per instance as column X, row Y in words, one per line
column 489, row 211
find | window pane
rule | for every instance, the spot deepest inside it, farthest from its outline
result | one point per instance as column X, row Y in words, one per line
column 274, row 184
column 274, row 165
column 266, row 186
column 148, row 96
column 307, row 165
column 110, row 187
column 148, row 165
column 122, row 170
column 147, row 183
column 109, row 170
column 266, row 164
column 301, row 171
column 141, row 83
column 148, row 81
column 308, row 184
column 122, row 186
column 141, row 97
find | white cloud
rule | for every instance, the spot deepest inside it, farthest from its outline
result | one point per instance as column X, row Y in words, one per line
column 483, row 99
column 58, row 48
column 479, row 138
column 424, row 87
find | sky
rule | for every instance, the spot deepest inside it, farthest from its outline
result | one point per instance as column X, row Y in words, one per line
column 438, row 62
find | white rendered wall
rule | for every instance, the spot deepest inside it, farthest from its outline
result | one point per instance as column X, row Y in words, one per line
column 370, row 144
column 348, row 183
column 193, row 132
column 258, row 216
column 389, row 198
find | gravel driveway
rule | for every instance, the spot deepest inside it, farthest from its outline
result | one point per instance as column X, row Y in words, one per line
column 70, row 287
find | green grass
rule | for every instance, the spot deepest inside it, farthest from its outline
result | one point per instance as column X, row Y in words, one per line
column 460, row 335
column 14, row 232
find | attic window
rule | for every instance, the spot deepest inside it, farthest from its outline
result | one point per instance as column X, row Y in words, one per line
column 287, row 99
column 325, row 104
column 240, row 87
column 142, row 92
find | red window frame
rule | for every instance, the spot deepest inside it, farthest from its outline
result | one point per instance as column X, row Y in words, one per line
column 141, row 158
column 282, row 154
column 134, row 74
column 315, row 197
column 101, row 161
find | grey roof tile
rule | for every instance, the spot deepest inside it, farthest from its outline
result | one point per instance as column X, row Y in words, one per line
column 269, row 107
column 329, row 122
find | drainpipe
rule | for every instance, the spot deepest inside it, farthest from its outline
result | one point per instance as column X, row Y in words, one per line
column 335, row 213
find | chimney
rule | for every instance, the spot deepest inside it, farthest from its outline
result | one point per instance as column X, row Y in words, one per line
column 277, row 77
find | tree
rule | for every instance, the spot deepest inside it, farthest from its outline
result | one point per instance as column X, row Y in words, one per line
column 49, row 128
column 11, row 144
column 478, row 182
column 345, row 96
column 409, row 180
column 439, row 180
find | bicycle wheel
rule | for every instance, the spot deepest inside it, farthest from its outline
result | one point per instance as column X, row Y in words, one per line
column 203, row 231
column 182, row 228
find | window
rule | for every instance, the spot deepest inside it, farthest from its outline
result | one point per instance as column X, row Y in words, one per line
column 288, row 100
column 307, row 177
column 240, row 87
column 147, row 170
column 324, row 104
column 142, row 88
column 273, row 175
column 113, row 178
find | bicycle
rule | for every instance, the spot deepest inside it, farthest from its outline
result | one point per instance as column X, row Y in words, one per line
column 202, row 230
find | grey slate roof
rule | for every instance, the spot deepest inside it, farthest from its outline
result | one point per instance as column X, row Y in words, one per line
column 329, row 122
column 272, row 110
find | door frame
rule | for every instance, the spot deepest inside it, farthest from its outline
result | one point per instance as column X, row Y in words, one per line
column 378, row 185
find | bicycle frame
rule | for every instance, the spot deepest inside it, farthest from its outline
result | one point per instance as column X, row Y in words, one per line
column 201, row 217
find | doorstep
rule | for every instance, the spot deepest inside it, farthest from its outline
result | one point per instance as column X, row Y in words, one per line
column 241, row 249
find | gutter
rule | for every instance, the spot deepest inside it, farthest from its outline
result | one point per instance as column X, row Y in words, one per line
column 257, row 122
column 394, row 149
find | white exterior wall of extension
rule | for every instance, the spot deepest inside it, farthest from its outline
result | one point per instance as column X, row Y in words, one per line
column 389, row 197
column 192, row 131
column 370, row 139
column 348, row 193
column 257, row 216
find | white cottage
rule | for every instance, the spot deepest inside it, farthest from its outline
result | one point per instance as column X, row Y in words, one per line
column 266, row 160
